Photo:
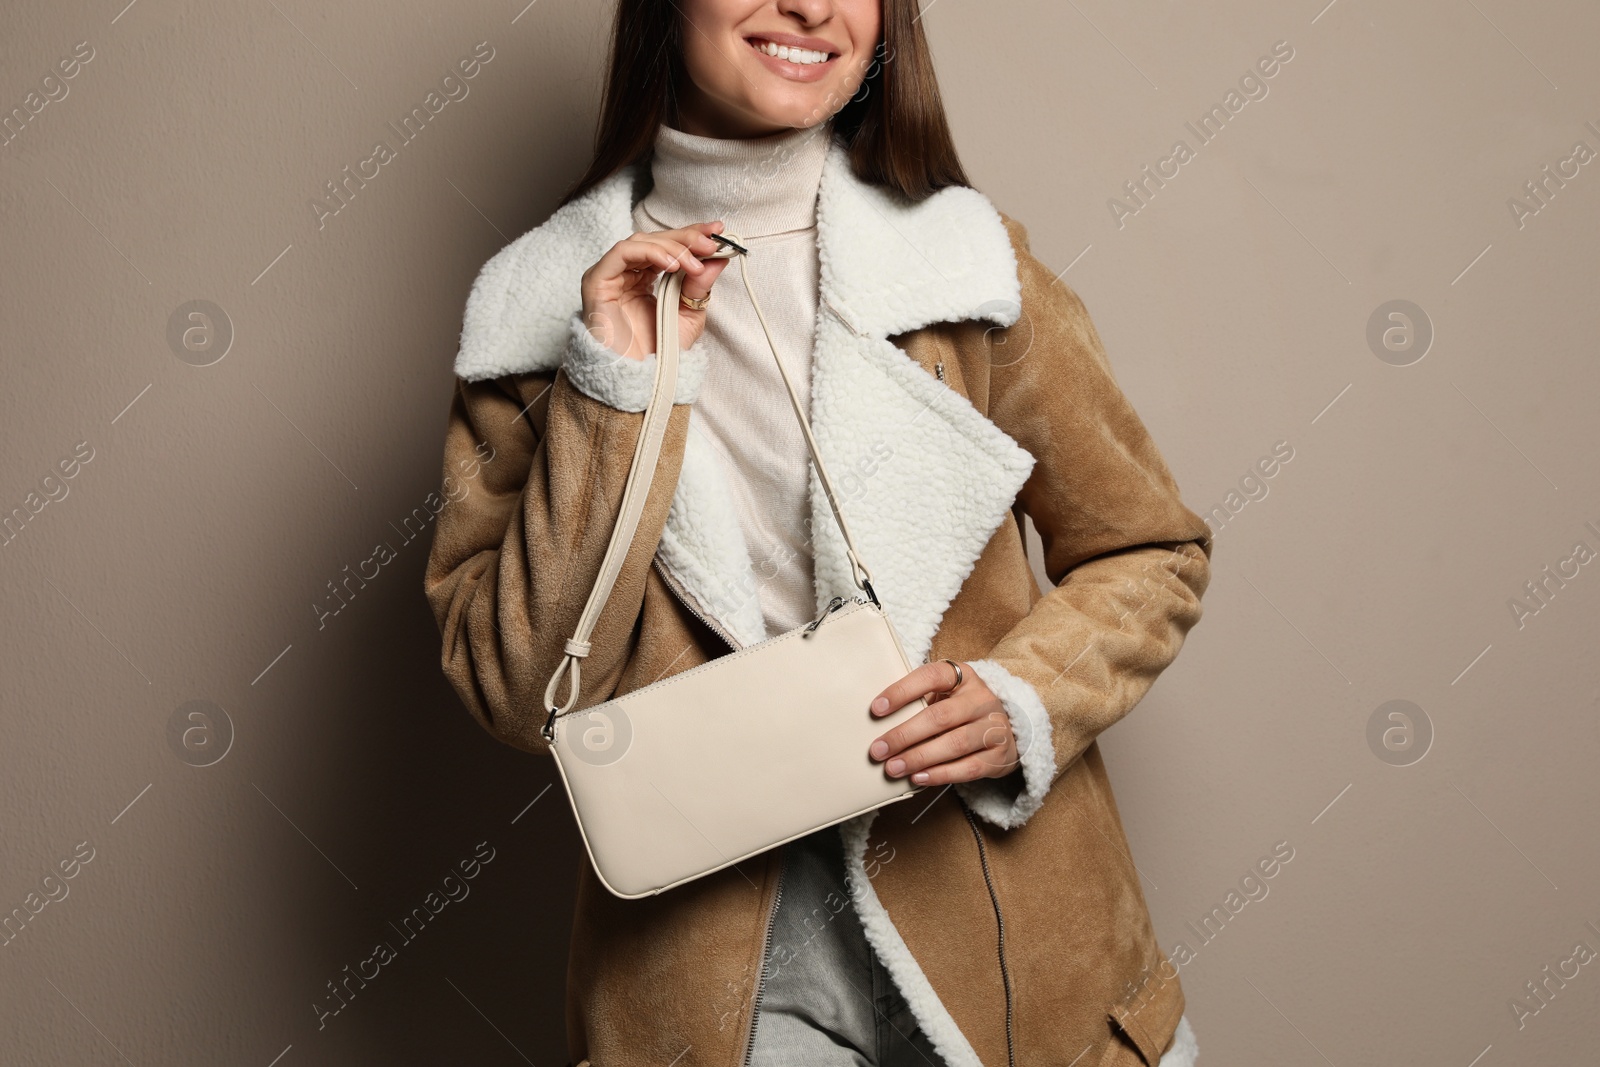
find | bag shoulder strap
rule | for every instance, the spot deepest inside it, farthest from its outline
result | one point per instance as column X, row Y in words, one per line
column 646, row 454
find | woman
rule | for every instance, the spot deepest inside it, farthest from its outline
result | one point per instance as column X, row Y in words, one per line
column 953, row 385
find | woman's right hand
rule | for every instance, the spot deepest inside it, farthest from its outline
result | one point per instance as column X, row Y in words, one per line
column 619, row 307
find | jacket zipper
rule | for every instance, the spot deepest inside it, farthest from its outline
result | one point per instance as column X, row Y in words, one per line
column 938, row 370
column 1000, row 922
column 677, row 591
column 783, row 861
column 761, row 965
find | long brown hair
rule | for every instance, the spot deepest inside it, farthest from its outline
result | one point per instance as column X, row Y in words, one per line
column 894, row 127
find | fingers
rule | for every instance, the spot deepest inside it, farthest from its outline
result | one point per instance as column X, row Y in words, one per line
column 982, row 748
column 966, row 769
column 657, row 251
column 687, row 243
column 699, row 285
column 924, row 680
column 961, row 734
column 618, row 289
column 938, row 718
column 645, row 253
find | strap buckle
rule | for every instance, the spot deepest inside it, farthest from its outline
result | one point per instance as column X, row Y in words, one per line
column 730, row 247
column 548, row 731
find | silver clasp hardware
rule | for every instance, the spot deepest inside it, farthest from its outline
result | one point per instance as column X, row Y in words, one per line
column 833, row 605
column 734, row 248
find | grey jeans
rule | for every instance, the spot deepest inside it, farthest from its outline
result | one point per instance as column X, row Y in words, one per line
column 826, row 999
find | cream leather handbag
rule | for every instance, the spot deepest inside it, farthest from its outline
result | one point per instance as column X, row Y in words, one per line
column 757, row 747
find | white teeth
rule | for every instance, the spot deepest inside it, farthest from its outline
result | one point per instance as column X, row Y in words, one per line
column 801, row 56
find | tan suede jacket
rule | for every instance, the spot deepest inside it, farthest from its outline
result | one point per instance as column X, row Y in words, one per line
column 963, row 386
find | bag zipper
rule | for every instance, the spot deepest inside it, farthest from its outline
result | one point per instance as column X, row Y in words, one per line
column 733, row 643
column 828, row 609
column 1000, row 922
column 761, row 966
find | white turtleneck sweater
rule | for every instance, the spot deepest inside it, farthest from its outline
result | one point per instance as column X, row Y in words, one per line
column 763, row 189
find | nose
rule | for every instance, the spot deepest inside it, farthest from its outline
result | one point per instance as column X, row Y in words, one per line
column 810, row 12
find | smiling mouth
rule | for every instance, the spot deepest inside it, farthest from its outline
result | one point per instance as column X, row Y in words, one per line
column 800, row 57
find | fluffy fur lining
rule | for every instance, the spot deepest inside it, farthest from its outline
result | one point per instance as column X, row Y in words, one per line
column 1031, row 723
column 703, row 544
column 925, row 476
column 890, row 265
column 924, row 479
column 931, row 1014
column 622, row 382
column 1185, row 1050
column 517, row 311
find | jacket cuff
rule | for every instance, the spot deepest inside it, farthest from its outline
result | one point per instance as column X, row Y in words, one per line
column 621, row 382
column 1030, row 722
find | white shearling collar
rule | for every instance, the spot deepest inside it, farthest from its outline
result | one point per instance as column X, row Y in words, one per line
column 925, row 477
column 888, row 265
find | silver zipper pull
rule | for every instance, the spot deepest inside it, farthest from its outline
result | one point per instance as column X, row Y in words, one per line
column 938, row 370
column 833, row 605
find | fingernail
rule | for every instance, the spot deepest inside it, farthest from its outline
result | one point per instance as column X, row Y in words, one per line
column 879, row 749
column 880, row 705
column 920, row 778
column 896, row 766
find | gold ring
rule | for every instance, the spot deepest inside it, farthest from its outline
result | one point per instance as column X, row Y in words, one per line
column 698, row 303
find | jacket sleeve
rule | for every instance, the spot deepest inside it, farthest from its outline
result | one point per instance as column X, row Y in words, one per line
column 534, row 468
column 1129, row 562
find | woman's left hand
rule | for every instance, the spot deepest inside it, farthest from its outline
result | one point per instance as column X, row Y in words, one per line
column 963, row 734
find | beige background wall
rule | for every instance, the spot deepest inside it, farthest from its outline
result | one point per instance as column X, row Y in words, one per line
column 186, row 557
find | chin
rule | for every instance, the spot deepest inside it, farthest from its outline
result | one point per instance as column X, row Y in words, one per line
column 797, row 111
column 795, row 120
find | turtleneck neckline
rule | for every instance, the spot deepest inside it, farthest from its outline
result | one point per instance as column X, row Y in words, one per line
column 758, row 186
